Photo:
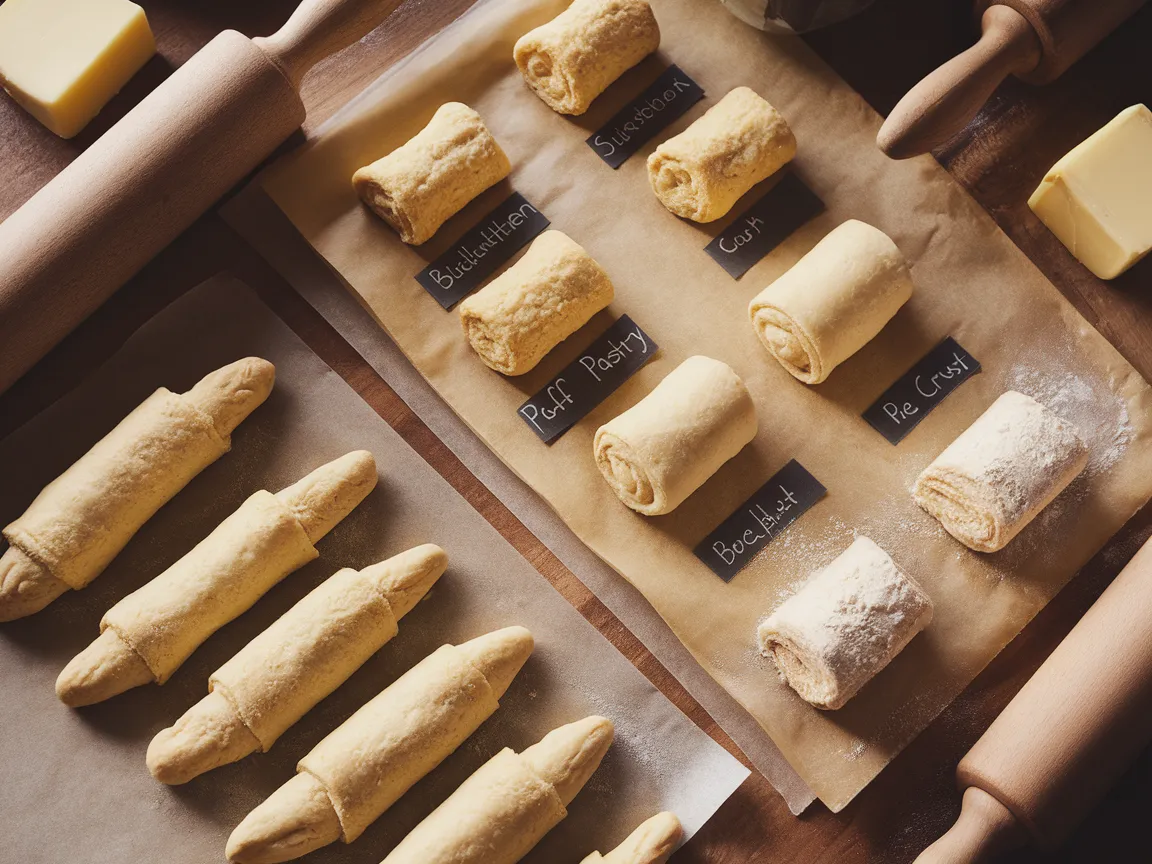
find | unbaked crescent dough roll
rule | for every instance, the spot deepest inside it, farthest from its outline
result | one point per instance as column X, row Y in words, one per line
column 833, row 301
column 651, row 843
column 1001, row 472
column 668, row 444
column 535, row 304
column 429, row 179
column 738, row 142
column 844, row 625
column 577, row 55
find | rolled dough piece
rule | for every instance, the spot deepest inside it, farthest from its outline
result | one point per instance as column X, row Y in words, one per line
column 833, row 301
column 668, row 444
column 702, row 172
column 651, row 843
column 577, row 55
column 423, row 183
column 536, row 304
column 844, row 625
column 1001, row 472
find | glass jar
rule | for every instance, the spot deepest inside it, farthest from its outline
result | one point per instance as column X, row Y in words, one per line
column 794, row 16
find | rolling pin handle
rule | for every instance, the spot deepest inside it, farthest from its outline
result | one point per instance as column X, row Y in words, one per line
column 985, row 830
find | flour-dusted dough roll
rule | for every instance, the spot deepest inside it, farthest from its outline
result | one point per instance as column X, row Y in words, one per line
column 1001, row 472
column 574, row 58
column 83, row 518
column 651, row 843
column 535, row 304
column 423, row 183
column 833, row 301
column 741, row 140
column 844, row 625
column 668, row 444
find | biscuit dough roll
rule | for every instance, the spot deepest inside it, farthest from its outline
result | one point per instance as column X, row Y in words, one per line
column 365, row 765
column 577, row 55
column 668, row 444
column 83, row 518
column 1001, row 472
column 702, row 172
column 148, row 634
column 651, row 843
column 844, row 625
column 534, row 305
column 833, row 301
column 423, row 183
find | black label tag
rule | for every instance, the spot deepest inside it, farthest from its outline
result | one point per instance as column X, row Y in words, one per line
column 759, row 520
column 633, row 126
column 586, row 382
column 764, row 225
column 921, row 389
column 481, row 251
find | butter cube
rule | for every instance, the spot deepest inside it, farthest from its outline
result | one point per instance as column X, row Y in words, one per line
column 62, row 60
column 1098, row 198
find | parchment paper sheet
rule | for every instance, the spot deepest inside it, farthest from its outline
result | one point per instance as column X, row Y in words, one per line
column 972, row 283
column 75, row 784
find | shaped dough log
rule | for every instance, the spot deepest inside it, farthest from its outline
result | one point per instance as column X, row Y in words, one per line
column 423, row 183
column 83, row 518
column 741, row 140
column 833, row 301
column 148, row 634
column 1001, row 472
column 652, row 843
column 536, row 304
column 365, row 765
column 574, row 58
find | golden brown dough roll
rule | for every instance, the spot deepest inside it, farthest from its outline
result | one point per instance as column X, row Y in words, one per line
column 651, row 843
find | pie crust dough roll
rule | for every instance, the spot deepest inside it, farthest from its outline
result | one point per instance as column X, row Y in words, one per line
column 844, row 625
column 652, row 843
column 1001, row 472
column 536, row 304
column 668, row 444
column 83, row 518
column 741, row 140
column 423, row 183
column 833, row 301
column 577, row 55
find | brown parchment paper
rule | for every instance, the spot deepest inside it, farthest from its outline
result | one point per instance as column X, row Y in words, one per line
column 75, row 784
column 972, row 283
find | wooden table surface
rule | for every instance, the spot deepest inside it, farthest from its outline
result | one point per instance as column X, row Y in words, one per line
column 999, row 159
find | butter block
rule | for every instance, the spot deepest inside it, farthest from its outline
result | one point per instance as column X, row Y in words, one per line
column 62, row 60
column 1098, row 198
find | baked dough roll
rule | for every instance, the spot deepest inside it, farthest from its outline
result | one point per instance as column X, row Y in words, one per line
column 365, row 765
column 668, row 444
column 844, row 625
column 833, row 301
column 1001, row 472
column 577, row 55
column 505, row 808
column 83, row 518
column 535, row 304
column 423, row 183
column 148, row 634
column 741, row 140
column 652, row 843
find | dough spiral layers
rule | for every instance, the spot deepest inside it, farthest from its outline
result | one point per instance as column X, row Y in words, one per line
column 651, row 843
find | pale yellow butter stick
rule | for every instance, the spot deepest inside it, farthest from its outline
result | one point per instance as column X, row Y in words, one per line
column 651, row 843
column 151, row 632
column 87, row 515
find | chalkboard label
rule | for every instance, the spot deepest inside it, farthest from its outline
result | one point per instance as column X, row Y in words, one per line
column 760, row 520
column 921, row 389
column 764, row 225
column 586, row 382
column 481, row 251
column 640, row 120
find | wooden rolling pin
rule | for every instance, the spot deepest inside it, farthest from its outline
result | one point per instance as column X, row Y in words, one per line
column 1035, row 40
column 155, row 172
column 1067, row 736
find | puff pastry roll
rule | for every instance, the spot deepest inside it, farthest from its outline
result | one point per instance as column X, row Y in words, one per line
column 651, row 843
column 534, row 305
column 1001, row 472
column 833, row 301
column 741, row 140
column 668, row 444
column 574, row 58
column 423, row 183
column 844, row 625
